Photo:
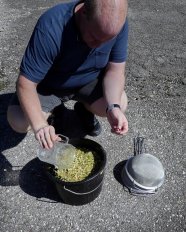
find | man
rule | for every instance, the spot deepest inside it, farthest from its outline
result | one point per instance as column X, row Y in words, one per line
column 77, row 51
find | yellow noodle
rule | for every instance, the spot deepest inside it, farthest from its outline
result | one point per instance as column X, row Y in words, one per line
column 82, row 166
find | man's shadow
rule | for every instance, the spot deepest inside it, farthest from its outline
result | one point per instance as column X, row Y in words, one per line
column 9, row 175
column 31, row 177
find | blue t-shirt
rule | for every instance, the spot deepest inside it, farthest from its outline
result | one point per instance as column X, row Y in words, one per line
column 57, row 57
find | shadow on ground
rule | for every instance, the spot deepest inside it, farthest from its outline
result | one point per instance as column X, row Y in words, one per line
column 118, row 170
column 9, row 175
column 33, row 181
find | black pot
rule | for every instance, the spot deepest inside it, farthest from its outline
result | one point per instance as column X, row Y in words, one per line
column 85, row 191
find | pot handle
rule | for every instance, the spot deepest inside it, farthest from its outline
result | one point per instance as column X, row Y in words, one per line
column 138, row 145
column 68, row 190
column 64, row 138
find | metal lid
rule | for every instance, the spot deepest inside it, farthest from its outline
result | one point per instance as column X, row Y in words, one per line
column 143, row 173
column 146, row 170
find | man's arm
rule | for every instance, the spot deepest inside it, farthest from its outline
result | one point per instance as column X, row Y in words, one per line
column 113, row 87
column 114, row 82
column 30, row 104
column 28, row 97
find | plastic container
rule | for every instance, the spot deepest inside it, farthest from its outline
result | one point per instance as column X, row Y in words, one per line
column 85, row 191
column 61, row 155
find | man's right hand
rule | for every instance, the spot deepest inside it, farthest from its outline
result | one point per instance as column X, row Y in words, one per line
column 47, row 136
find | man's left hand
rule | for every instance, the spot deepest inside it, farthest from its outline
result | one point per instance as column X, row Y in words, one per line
column 118, row 121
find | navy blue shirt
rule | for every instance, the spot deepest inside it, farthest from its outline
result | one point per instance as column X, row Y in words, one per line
column 57, row 57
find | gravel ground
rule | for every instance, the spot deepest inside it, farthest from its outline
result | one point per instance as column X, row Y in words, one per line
column 156, row 88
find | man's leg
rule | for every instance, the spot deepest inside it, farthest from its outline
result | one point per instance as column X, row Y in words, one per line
column 16, row 117
column 99, row 106
column 92, row 103
column 91, row 95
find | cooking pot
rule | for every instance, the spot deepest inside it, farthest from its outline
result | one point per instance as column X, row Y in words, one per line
column 85, row 191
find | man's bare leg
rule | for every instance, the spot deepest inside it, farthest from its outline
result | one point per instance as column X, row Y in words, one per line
column 99, row 106
column 17, row 119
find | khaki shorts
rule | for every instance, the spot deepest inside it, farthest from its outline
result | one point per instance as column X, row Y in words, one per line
column 50, row 98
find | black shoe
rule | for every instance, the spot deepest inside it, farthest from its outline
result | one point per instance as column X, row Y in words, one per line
column 90, row 122
column 57, row 116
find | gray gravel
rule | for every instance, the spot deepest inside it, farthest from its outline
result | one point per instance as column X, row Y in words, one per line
column 156, row 88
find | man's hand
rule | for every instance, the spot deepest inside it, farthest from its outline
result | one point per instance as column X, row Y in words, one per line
column 118, row 121
column 47, row 136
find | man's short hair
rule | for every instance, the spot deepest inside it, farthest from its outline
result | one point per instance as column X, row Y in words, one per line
column 110, row 14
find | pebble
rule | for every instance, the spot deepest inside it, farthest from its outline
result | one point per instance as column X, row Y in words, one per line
column 184, row 80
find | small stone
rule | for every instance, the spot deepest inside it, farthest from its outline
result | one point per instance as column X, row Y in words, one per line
column 160, row 60
column 184, row 80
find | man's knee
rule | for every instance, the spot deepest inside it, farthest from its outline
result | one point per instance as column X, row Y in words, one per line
column 99, row 107
column 16, row 119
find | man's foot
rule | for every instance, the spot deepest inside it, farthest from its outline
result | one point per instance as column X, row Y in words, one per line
column 90, row 122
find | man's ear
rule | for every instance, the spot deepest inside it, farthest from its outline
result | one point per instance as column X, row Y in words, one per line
column 84, row 10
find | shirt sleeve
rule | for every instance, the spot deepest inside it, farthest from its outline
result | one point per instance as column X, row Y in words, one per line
column 39, row 56
column 119, row 50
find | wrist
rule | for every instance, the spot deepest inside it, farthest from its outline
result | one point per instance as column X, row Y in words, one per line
column 110, row 107
column 38, row 128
